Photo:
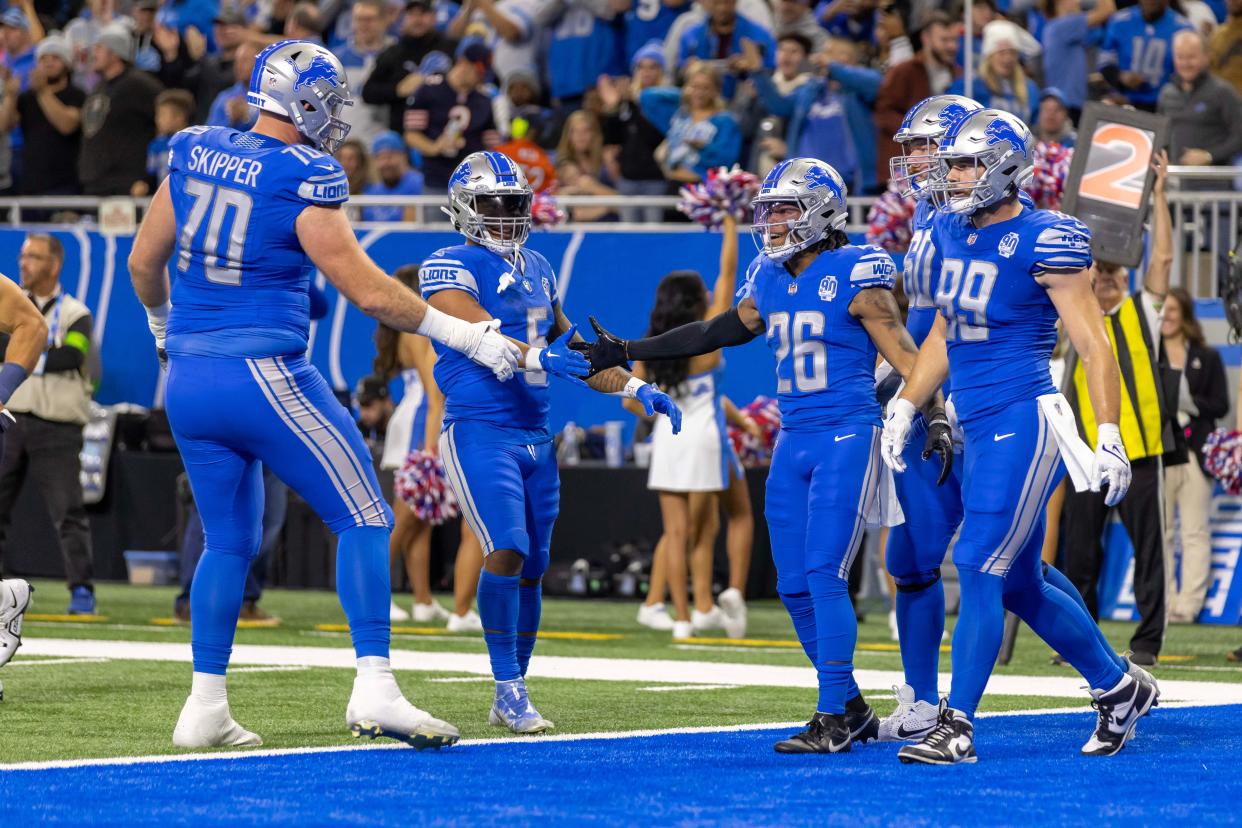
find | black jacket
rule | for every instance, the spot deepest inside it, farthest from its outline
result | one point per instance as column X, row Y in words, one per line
column 391, row 67
column 1205, row 377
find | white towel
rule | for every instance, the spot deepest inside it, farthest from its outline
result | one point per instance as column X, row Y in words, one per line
column 884, row 509
column 1078, row 457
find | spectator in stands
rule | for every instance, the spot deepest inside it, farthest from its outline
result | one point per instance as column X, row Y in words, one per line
column 213, row 74
column 699, row 132
column 756, row 11
column 50, row 408
column 184, row 15
column 1226, row 47
column 450, row 117
column 721, row 36
column 629, row 138
column 1002, row 84
column 829, row 117
column 160, row 50
column 982, row 13
column 580, row 168
column 118, row 119
column 536, row 165
column 395, row 77
column 358, row 54
column 1066, row 37
column 1053, row 123
column 1136, row 57
column 930, row 72
column 1205, row 112
column 230, row 109
column 585, row 44
column 796, row 17
column 19, row 43
column 353, row 158
column 173, row 110
column 50, row 116
column 393, row 177
column 852, row 20
column 515, row 47
column 1202, row 395
column 304, row 23
column 520, row 101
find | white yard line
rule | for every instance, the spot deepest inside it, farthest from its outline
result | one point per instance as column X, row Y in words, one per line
column 288, row 668
column 461, row 680
column 44, row 662
column 684, row 688
column 646, row 671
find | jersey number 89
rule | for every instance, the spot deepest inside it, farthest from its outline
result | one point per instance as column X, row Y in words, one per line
column 962, row 296
column 808, row 352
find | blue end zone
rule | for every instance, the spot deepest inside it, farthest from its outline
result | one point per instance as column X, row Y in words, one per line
column 1183, row 768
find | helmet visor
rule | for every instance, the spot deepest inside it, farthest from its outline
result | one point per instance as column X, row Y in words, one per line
column 504, row 217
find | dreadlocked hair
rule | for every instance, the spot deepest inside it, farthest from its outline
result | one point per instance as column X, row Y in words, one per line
column 681, row 298
column 386, row 364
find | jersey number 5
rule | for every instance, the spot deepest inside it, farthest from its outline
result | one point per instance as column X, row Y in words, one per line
column 962, row 296
column 808, row 352
column 226, row 269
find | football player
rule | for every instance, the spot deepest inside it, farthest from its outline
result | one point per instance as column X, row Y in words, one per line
column 246, row 217
column 496, row 444
column 1008, row 272
column 826, row 307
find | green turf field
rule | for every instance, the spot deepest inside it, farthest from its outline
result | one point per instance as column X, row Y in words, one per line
column 116, row 706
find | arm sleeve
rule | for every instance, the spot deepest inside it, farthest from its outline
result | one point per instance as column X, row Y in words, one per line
column 323, row 183
column 1106, row 58
column 1230, row 143
column 863, row 82
column 71, row 355
column 437, row 274
column 1212, row 399
column 659, row 105
column 772, row 100
column 693, row 339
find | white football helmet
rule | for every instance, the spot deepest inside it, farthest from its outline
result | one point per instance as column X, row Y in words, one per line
column 304, row 82
column 921, row 130
column 812, row 185
column 489, row 202
column 999, row 145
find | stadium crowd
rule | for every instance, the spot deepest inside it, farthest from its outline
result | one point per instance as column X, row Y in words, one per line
column 600, row 97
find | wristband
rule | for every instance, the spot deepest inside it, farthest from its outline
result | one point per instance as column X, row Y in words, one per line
column 631, row 388
column 1108, row 431
column 157, row 322
column 531, row 362
column 11, row 376
column 447, row 330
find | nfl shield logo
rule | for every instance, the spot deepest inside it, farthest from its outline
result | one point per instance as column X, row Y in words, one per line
column 971, row 238
column 547, row 287
column 1009, row 244
column 828, row 288
column 793, row 288
column 528, row 284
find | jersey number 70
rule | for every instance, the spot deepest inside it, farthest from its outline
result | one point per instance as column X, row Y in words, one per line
column 962, row 297
column 226, row 269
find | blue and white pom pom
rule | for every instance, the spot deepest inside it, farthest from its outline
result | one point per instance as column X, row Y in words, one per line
column 422, row 485
column 725, row 192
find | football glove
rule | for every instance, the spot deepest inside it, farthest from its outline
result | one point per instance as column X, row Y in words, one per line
column 656, row 401
column 607, row 351
column 559, row 358
column 1112, row 465
column 940, row 442
column 489, row 348
column 897, row 433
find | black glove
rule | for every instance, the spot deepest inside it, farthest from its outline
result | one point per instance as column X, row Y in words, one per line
column 162, row 356
column 607, row 351
column 940, row 441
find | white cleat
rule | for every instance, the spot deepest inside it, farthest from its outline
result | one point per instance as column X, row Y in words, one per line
column 512, row 709
column 377, row 708
column 429, row 613
column 654, row 617
column 15, row 597
column 210, row 724
column 396, row 614
column 911, row 721
column 468, row 623
column 733, row 605
column 682, row 630
column 713, row 619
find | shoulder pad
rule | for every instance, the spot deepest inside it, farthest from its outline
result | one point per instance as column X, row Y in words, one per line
column 1064, row 243
column 320, row 179
column 873, row 268
column 447, row 269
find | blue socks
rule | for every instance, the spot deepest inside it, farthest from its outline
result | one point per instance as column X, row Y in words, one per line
column 363, row 586
column 1068, row 629
column 836, row 630
column 499, row 605
column 976, row 638
column 920, row 625
column 1057, row 579
column 530, row 605
column 215, row 602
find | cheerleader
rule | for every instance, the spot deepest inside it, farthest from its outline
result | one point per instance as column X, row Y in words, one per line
column 415, row 425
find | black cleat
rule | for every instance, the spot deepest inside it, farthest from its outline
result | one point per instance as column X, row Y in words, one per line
column 1119, row 712
column 950, row 743
column 864, row 726
column 825, row 733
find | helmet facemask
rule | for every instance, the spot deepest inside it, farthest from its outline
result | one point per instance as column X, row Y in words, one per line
column 911, row 171
column 327, row 131
column 498, row 221
column 801, row 233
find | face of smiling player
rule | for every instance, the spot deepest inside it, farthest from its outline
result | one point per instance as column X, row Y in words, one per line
column 777, row 218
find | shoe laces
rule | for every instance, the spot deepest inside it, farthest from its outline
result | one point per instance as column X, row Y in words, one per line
column 943, row 731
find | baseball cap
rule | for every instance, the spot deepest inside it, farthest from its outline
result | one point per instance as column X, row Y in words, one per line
column 435, row 63
column 651, row 50
column 15, row 18
column 474, row 50
column 387, row 141
column 1053, row 92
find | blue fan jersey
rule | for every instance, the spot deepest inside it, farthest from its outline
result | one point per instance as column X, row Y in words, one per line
column 524, row 308
column 647, row 20
column 240, row 275
column 1134, row 45
column 825, row 360
column 1001, row 324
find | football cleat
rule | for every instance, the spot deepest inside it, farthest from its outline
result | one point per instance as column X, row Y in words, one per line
column 713, row 619
column 950, row 742
column 654, row 617
column 426, row 613
column 512, row 709
column 15, row 597
column 1119, row 712
column 81, row 601
column 378, row 709
column 396, row 614
column 825, row 733
column 733, row 605
column 864, row 725
column 911, row 721
column 210, row 724
column 468, row 623
column 1139, row 674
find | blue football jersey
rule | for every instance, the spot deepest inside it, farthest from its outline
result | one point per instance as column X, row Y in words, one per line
column 524, row 308
column 1134, row 45
column 240, row 276
column 1001, row 324
column 920, row 264
column 825, row 360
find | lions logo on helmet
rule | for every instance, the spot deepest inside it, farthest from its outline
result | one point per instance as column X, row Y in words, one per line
column 924, row 126
column 319, row 69
column 489, row 202
column 304, row 83
column 812, row 187
column 997, row 145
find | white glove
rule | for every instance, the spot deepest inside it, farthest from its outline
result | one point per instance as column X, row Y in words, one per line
column 955, row 427
column 897, row 433
column 478, row 340
column 157, row 321
column 1112, row 466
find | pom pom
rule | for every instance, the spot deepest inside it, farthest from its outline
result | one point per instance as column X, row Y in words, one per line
column 1051, row 162
column 1222, row 458
column 422, row 485
column 725, row 192
column 755, row 450
column 545, row 211
column 888, row 223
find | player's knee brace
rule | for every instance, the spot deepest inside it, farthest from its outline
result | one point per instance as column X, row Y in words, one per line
column 919, row 582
